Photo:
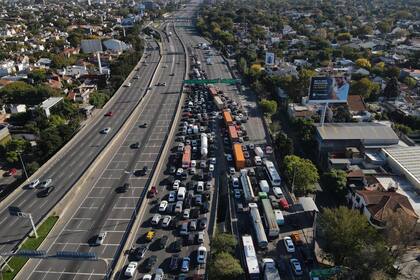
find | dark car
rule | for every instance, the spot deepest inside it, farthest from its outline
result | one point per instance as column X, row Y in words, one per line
column 124, row 188
column 145, row 169
column 144, row 125
column 176, row 246
column 194, row 213
column 202, row 223
column 139, row 252
column 149, row 263
column 172, row 169
column 46, row 192
column 173, row 265
column 135, row 145
column 162, row 242
column 205, row 207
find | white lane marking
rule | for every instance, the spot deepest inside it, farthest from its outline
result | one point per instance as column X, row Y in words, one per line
column 69, row 273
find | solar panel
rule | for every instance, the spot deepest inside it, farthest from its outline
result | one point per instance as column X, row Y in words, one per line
column 76, row 255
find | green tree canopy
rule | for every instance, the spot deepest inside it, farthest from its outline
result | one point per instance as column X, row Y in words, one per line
column 223, row 242
column 363, row 63
column 392, row 88
column 284, row 145
column 225, row 266
column 268, row 106
column 335, row 182
column 364, row 87
column 301, row 174
column 350, row 241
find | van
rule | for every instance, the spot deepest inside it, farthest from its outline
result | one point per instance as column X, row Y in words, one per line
column 183, row 229
column 264, row 186
column 257, row 160
column 181, row 194
column 200, row 186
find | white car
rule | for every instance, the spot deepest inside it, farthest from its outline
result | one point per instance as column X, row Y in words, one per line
column 162, row 206
column 156, row 219
column 288, row 243
column 34, row 184
column 213, row 160
column 229, row 157
column 201, row 254
column 277, row 192
column 45, row 183
column 200, row 186
column 235, row 182
column 166, row 221
column 147, row 277
column 186, row 214
column 211, row 167
column 159, row 274
column 100, row 238
column 176, row 184
column 179, row 171
column 232, row 171
column 131, row 269
column 106, row 130
column 237, row 193
column 172, row 196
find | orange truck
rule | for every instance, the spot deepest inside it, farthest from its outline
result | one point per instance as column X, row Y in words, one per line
column 238, row 156
column 227, row 118
column 186, row 157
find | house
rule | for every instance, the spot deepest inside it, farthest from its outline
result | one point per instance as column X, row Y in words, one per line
column 17, row 108
column 378, row 206
column 46, row 105
column 7, row 67
column 357, row 108
column 43, row 63
column 82, row 93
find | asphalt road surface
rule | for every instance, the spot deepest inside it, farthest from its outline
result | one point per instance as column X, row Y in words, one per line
column 74, row 162
column 104, row 209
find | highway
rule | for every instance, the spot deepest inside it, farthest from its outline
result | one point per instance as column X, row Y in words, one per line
column 103, row 209
column 75, row 158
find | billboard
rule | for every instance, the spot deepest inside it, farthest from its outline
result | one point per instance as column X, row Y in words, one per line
column 269, row 58
column 328, row 90
column 91, row 46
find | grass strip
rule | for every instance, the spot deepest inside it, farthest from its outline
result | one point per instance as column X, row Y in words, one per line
column 32, row 243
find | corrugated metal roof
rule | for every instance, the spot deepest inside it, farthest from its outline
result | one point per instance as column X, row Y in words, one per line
column 408, row 158
column 354, row 131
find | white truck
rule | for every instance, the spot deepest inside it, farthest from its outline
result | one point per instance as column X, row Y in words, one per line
column 259, row 152
column 204, row 145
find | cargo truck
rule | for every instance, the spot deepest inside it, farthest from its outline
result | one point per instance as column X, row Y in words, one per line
column 233, row 134
column 186, row 157
column 238, row 156
column 219, row 103
column 204, row 145
column 227, row 117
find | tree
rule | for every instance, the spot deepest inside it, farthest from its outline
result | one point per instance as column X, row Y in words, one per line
column 384, row 26
column 342, row 115
column 38, row 76
column 343, row 36
column 223, row 242
column 284, row 145
column 392, row 88
column 268, row 106
column 98, row 99
column 335, row 182
column 350, row 241
column 363, row 63
column 301, row 174
column 410, row 82
column 225, row 266
column 364, row 87
column 32, row 167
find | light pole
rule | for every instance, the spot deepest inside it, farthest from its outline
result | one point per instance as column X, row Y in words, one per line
column 23, row 165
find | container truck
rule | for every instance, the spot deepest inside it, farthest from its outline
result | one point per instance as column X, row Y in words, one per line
column 219, row 103
column 186, row 157
column 227, row 117
column 247, row 186
column 204, row 145
column 233, row 134
column 270, row 220
column 238, row 156
column 261, row 237
column 264, row 186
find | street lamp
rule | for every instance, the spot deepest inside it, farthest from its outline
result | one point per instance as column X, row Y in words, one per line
column 23, row 165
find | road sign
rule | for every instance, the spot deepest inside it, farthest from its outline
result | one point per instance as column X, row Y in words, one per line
column 76, row 255
column 212, row 81
column 326, row 272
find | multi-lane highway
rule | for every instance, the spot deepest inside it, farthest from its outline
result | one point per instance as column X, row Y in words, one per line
column 104, row 208
column 67, row 167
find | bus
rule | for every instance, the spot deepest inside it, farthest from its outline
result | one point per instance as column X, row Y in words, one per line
column 251, row 260
column 186, row 157
column 246, row 186
column 270, row 220
column 272, row 173
column 258, row 226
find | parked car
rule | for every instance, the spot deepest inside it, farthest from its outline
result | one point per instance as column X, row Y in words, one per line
column 284, row 204
column 185, row 266
column 201, row 255
column 139, row 252
column 162, row 242
column 159, row 274
column 278, row 192
column 100, row 238
column 150, row 262
column 131, row 269
column 150, row 235
column 156, row 219
column 173, row 264
column 288, row 243
column 162, row 206
column 296, row 267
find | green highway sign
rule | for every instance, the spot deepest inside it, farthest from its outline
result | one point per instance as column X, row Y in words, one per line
column 326, row 272
column 213, row 81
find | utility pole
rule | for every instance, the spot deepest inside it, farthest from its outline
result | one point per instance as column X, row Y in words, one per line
column 23, row 166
